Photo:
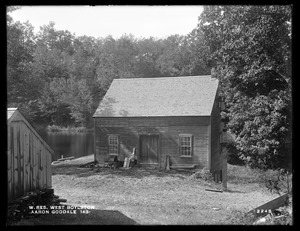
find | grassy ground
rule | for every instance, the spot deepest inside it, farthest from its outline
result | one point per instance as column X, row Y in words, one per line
column 150, row 197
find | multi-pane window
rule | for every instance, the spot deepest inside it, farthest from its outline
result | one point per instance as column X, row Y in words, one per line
column 186, row 145
column 113, row 143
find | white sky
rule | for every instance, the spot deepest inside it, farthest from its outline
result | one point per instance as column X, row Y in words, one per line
column 101, row 21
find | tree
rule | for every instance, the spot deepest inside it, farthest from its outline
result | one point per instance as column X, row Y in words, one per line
column 192, row 54
column 51, row 65
column 124, row 56
column 52, row 54
column 53, row 107
column 146, row 60
column 250, row 51
column 183, row 55
column 83, row 65
column 80, row 102
column 169, row 61
column 107, row 69
column 21, row 84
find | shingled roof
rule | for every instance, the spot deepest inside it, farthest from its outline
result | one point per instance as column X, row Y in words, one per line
column 166, row 96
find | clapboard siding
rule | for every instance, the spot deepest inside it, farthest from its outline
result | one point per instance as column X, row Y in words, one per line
column 168, row 130
column 28, row 159
column 170, row 145
column 188, row 121
column 151, row 121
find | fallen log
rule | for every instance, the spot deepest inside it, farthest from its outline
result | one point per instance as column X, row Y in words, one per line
column 213, row 190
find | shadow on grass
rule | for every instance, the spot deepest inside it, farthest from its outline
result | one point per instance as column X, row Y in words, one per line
column 95, row 217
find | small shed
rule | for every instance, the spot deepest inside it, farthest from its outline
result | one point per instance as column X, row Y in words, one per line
column 178, row 117
column 28, row 157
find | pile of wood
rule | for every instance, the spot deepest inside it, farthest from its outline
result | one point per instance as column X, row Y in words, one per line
column 20, row 208
column 88, row 165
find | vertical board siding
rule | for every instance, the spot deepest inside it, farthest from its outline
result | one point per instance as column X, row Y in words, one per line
column 215, row 139
column 28, row 162
column 9, row 161
column 168, row 129
column 15, row 162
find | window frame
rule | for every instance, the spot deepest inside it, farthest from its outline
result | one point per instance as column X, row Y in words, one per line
column 113, row 145
column 190, row 136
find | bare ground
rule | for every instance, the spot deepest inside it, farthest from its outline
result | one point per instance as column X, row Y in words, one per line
column 151, row 197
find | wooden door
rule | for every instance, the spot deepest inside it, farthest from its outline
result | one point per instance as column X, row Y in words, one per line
column 149, row 149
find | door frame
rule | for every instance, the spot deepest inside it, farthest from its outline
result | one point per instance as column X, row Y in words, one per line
column 158, row 148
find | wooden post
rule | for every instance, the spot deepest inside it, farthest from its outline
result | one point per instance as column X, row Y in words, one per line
column 167, row 162
column 224, row 171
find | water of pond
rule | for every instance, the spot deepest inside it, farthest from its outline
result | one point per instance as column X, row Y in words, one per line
column 69, row 143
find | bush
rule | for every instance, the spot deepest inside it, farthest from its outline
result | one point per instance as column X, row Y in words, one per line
column 278, row 181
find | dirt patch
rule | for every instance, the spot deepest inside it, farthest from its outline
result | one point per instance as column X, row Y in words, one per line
column 155, row 197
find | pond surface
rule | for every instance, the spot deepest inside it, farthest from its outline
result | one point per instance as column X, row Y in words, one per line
column 69, row 143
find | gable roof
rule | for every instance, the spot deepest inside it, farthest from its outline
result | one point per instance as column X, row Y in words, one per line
column 167, row 96
column 10, row 112
column 18, row 116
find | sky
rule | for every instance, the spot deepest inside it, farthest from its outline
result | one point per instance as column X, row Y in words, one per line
column 101, row 21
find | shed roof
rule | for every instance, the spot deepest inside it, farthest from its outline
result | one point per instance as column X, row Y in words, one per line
column 167, row 96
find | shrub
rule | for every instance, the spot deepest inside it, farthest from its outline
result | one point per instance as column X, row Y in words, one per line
column 278, row 181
